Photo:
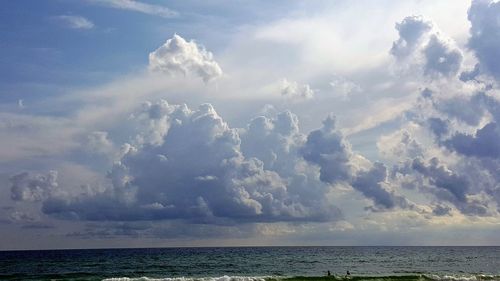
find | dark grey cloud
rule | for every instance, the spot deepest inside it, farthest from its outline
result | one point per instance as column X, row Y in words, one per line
column 438, row 126
column 485, row 35
column 441, row 58
column 459, row 186
column 369, row 183
column 471, row 74
column 484, row 143
column 450, row 186
column 469, row 110
column 328, row 149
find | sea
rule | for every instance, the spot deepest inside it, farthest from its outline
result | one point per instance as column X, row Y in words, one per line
column 255, row 264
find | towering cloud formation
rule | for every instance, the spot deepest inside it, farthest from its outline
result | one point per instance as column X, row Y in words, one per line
column 188, row 164
column 180, row 56
column 485, row 35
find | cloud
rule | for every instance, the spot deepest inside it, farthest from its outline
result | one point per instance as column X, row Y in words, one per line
column 484, row 38
column 273, row 140
column 369, row 183
column 180, row 56
column 203, row 177
column 421, row 44
column 451, row 187
column 137, row 6
column 194, row 169
column 277, row 142
column 439, row 127
column 411, row 30
column 343, row 87
column 20, row 104
column 456, row 187
column 98, row 143
column 75, row 22
column 441, row 58
column 33, row 187
column 460, row 164
column 169, row 230
column 484, row 143
column 471, row 74
column 399, row 145
column 295, row 91
column 468, row 110
column 441, row 210
column 327, row 148
column 30, row 137
column 261, row 173
column 19, row 216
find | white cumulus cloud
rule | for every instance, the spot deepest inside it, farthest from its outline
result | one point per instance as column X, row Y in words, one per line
column 185, row 57
column 295, row 91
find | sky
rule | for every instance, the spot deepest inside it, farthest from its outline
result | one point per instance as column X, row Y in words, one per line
column 128, row 123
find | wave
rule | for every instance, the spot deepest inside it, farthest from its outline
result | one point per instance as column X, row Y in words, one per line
column 222, row 278
column 419, row 277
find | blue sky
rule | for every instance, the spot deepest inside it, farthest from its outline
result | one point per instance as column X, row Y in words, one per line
column 166, row 123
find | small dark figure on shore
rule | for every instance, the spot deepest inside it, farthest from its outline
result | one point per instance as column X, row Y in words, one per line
column 328, row 273
column 348, row 274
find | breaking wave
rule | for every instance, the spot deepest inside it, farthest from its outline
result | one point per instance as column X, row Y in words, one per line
column 420, row 277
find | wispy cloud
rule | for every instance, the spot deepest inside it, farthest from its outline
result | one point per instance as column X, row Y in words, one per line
column 75, row 22
column 137, row 6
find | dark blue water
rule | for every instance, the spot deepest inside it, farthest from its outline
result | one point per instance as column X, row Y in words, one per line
column 212, row 264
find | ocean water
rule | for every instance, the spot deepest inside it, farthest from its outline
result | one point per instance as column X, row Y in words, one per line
column 255, row 264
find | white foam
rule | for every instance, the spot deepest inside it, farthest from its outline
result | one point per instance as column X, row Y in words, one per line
column 222, row 278
column 462, row 277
